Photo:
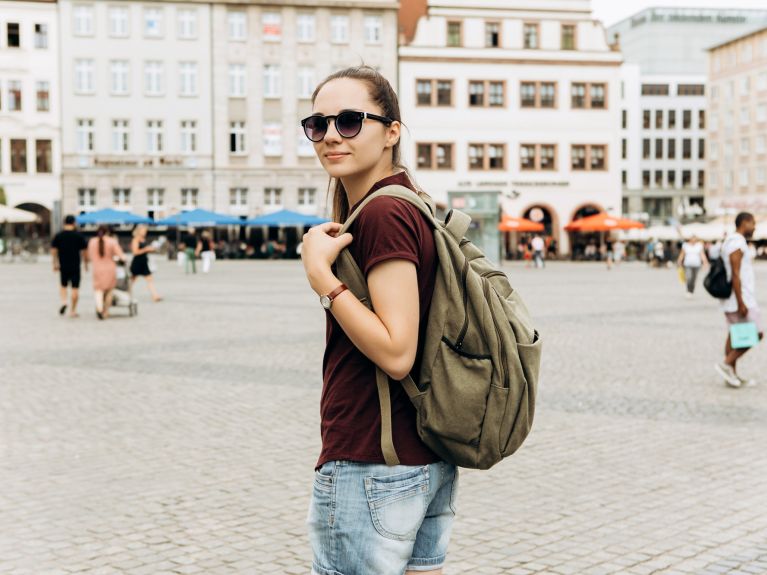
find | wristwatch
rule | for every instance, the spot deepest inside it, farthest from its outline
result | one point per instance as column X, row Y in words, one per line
column 327, row 300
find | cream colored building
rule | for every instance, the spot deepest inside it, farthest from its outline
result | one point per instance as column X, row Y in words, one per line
column 737, row 130
column 267, row 61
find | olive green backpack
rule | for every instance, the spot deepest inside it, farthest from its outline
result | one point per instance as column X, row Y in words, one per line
column 476, row 392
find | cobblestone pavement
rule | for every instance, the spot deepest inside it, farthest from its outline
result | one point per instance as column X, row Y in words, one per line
column 183, row 440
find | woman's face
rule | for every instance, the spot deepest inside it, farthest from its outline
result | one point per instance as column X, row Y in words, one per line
column 343, row 157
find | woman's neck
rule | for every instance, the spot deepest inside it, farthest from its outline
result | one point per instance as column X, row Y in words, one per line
column 358, row 185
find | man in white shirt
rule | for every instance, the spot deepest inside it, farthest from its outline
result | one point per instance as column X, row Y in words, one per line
column 692, row 257
column 538, row 248
column 741, row 306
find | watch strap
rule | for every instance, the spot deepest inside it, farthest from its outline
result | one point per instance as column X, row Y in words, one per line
column 336, row 292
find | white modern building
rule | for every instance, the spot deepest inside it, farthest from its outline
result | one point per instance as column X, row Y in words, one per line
column 664, row 109
column 29, row 108
column 268, row 59
column 137, row 106
column 522, row 97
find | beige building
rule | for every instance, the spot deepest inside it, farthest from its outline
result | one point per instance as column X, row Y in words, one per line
column 737, row 130
column 267, row 61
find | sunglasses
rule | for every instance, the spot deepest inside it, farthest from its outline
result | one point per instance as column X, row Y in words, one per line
column 348, row 124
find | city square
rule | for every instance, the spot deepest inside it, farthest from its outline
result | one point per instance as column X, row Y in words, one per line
column 183, row 440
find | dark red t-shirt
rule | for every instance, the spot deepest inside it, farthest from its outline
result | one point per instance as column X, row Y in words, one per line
column 387, row 228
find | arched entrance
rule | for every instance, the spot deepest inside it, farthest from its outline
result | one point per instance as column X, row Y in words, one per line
column 40, row 230
column 543, row 214
column 585, row 245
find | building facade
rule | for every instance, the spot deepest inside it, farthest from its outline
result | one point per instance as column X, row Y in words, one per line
column 518, row 98
column 29, row 108
column 737, row 131
column 664, row 117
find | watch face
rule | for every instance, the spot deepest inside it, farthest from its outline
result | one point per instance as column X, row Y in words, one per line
column 325, row 301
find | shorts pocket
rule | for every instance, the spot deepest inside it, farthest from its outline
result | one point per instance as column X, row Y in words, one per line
column 398, row 502
column 324, row 476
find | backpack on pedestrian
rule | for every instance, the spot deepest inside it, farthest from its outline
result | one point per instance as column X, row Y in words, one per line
column 716, row 282
column 475, row 397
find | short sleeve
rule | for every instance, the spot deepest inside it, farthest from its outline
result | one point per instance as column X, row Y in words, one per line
column 56, row 241
column 387, row 229
column 83, row 243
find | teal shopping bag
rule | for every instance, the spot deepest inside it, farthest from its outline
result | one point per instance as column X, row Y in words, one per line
column 743, row 335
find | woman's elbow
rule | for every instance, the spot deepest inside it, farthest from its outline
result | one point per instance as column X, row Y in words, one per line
column 399, row 367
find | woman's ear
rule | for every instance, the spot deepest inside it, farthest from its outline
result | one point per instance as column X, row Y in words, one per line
column 392, row 134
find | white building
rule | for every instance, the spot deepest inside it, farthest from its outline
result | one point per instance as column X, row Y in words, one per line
column 517, row 97
column 137, row 103
column 268, row 59
column 29, row 108
column 664, row 115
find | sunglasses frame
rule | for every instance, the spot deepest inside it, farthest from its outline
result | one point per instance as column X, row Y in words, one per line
column 383, row 119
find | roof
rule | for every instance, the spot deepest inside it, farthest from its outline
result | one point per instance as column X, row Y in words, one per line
column 754, row 32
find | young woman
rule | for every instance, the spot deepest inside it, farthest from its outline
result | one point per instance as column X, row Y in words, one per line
column 102, row 251
column 139, row 266
column 366, row 517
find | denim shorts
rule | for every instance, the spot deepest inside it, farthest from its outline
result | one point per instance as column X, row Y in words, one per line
column 371, row 518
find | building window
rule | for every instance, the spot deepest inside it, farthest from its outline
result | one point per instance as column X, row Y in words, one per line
column 238, row 197
column 487, row 156
column 272, row 197
column 373, row 29
column 691, row 90
column 435, row 156
column 578, row 95
column 658, row 119
column 43, row 90
column 538, row 95
column 655, row 90
column 624, row 149
column 44, row 157
column 238, row 25
column 187, row 78
column 189, row 198
column 492, row 35
column 671, row 119
column 686, row 119
column 578, row 158
column 154, row 143
column 85, row 136
column 583, row 95
column 624, row 181
column 761, row 145
column 496, row 96
column 527, row 157
column 339, row 29
column 686, row 178
column 119, row 71
column 187, row 24
column 671, row 178
column 152, row 22
column 597, row 157
column 548, row 93
column 155, row 198
column 701, row 149
column 272, row 139
column 434, row 92
column 646, row 117
column 646, row 178
column 424, row 92
column 306, row 28
column 528, row 94
column 761, row 113
column 272, row 83
column 761, row 175
column 568, row 37
column 531, row 34
column 745, row 116
column 597, row 96
column 120, row 136
column 658, row 178
column 701, row 119
column 671, row 145
column 588, row 157
column 477, row 94
column 41, row 36
column 701, row 179
column 237, row 81
column 121, row 197
column 84, row 81
column 118, row 22
column 83, row 20
column 271, row 25
column 454, row 34
column 624, row 119
column 86, row 199
column 548, row 157
column 307, row 196
column 188, row 136
column 658, row 149
column 744, row 146
column 153, row 73
column 686, row 149
column 424, row 155
column 646, row 149
column 478, row 91
column 237, row 138
column 306, row 82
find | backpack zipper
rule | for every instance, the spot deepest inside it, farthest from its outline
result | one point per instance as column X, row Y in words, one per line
column 464, row 329
column 492, row 274
column 504, row 366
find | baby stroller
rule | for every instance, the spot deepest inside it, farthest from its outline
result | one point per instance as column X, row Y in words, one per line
column 122, row 295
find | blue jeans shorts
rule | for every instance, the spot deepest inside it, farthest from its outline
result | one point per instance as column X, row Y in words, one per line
column 370, row 518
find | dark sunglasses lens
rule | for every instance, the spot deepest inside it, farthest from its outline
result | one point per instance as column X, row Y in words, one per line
column 349, row 124
column 315, row 128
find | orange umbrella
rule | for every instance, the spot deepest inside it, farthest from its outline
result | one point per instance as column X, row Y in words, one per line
column 510, row 224
column 602, row 222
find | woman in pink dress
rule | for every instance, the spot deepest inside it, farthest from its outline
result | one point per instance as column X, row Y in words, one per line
column 101, row 252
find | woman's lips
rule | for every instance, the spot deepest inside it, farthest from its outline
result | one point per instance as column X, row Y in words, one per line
column 336, row 156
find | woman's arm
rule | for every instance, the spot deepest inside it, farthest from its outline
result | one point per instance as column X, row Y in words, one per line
column 136, row 250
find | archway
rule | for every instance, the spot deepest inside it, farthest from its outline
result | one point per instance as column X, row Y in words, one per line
column 39, row 230
column 546, row 215
column 585, row 246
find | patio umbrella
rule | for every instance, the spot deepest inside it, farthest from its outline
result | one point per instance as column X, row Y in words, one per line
column 9, row 215
column 602, row 222
column 511, row 224
column 113, row 217
column 200, row 218
column 286, row 218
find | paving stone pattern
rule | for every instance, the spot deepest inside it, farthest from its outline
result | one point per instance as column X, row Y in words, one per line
column 183, row 440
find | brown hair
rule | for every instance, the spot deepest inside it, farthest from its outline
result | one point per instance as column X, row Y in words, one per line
column 102, row 231
column 382, row 94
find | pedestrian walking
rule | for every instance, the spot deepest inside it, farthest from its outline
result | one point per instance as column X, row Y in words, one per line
column 692, row 257
column 741, row 307
column 365, row 516
column 102, row 251
column 609, row 252
column 189, row 245
column 67, row 249
column 206, row 251
column 538, row 246
column 139, row 266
